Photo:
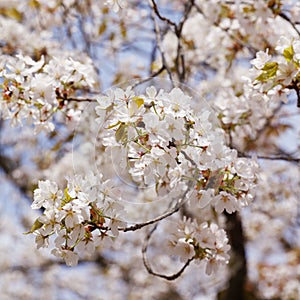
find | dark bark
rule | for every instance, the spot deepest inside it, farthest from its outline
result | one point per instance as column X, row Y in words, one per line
column 237, row 281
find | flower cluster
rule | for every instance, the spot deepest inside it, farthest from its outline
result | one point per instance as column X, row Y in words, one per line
column 81, row 216
column 166, row 144
column 266, row 86
column 35, row 90
column 203, row 242
column 173, row 150
column 278, row 73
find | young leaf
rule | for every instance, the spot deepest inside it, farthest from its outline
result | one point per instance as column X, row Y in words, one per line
column 36, row 225
column 269, row 71
column 139, row 101
column 288, row 53
column 121, row 133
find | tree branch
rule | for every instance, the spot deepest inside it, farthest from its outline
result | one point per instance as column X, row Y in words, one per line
column 159, row 43
column 279, row 157
column 149, row 268
column 155, row 9
column 237, row 281
column 178, row 205
column 285, row 17
column 153, row 75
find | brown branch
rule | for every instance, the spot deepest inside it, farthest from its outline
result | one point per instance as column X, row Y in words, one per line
column 159, row 42
column 149, row 268
column 153, row 75
column 237, row 281
column 285, row 158
column 285, row 17
column 155, row 9
column 298, row 95
column 81, row 100
column 153, row 221
column 180, row 61
column 178, row 205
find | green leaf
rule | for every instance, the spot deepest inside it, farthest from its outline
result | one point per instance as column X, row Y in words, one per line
column 34, row 4
column 248, row 9
column 67, row 196
column 12, row 13
column 270, row 66
column 102, row 27
column 288, row 53
column 269, row 71
column 121, row 133
column 138, row 100
column 113, row 125
column 36, row 225
column 123, row 29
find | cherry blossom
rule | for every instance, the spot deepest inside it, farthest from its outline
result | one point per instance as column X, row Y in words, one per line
column 153, row 138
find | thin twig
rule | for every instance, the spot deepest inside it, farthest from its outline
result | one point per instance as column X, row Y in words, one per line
column 159, row 42
column 285, row 17
column 281, row 157
column 150, row 77
column 155, row 9
column 80, row 100
column 178, row 205
column 180, row 61
column 153, row 221
column 149, row 268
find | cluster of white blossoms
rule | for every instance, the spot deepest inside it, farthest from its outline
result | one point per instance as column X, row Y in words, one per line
column 164, row 144
column 87, row 212
column 262, row 90
column 271, row 216
column 207, row 242
column 225, row 31
column 36, row 90
column 277, row 72
column 172, row 168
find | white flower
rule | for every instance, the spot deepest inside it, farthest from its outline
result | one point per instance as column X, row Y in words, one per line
column 225, row 201
column 261, row 59
column 51, row 220
column 47, row 195
column 296, row 48
column 114, row 224
column 204, row 236
column 217, row 254
column 287, row 72
column 176, row 102
column 156, row 128
column 175, row 127
column 104, row 102
column 41, row 241
column 212, row 266
column 86, row 245
column 72, row 215
column 201, row 198
column 245, row 168
column 151, row 92
column 70, row 257
column 182, row 248
column 282, row 44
